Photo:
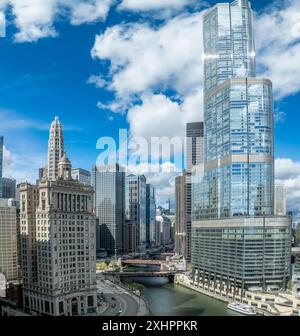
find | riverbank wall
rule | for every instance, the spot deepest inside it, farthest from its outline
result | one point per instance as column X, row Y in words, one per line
column 267, row 304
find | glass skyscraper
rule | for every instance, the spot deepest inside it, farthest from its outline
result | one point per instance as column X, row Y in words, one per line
column 109, row 203
column 8, row 188
column 82, row 175
column 238, row 117
column 234, row 203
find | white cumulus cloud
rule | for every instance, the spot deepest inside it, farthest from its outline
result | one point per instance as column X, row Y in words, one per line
column 88, row 11
column 147, row 5
column 157, row 116
column 158, row 8
column 278, row 44
column 143, row 57
column 35, row 19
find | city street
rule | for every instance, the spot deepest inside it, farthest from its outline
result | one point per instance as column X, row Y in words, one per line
column 119, row 300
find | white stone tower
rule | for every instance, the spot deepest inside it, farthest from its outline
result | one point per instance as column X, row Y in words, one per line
column 55, row 149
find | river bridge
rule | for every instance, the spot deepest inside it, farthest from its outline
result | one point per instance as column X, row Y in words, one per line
column 146, row 262
column 142, row 274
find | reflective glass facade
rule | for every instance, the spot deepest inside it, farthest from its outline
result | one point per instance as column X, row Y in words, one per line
column 238, row 120
column 8, row 188
column 228, row 43
column 236, row 239
column 109, row 203
column 239, row 160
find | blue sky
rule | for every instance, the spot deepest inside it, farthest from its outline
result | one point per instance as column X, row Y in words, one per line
column 143, row 59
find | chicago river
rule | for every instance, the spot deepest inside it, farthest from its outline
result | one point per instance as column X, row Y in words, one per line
column 168, row 299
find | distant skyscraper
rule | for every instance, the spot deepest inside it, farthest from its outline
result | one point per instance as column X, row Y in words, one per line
column 58, row 241
column 8, row 188
column 42, row 173
column 1, row 163
column 81, row 175
column 150, row 215
column 297, row 236
column 184, row 189
column 165, row 226
column 234, row 221
column 297, row 231
column 195, row 157
column 129, row 237
column 109, row 203
column 194, row 145
column 8, row 240
column 280, row 200
column 135, row 194
column 55, row 149
column 181, row 230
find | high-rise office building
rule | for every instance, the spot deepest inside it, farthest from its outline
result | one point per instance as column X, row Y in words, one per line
column 81, row 175
column 280, row 200
column 8, row 187
column 194, row 145
column 8, row 240
column 195, row 158
column 55, row 149
column 296, row 254
column 135, row 206
column 297, row 234
column 184, row 189
column 42, row 172
column 181, row 214
column 150, row 215
column 172, row 218
column 1, row 163
column 129, row 237
column 165, row 228
column 28, row 205
column 58, row 244
column 109, row 203
column 235, row 235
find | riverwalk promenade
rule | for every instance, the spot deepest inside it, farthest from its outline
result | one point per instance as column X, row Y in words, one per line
column 282, row 303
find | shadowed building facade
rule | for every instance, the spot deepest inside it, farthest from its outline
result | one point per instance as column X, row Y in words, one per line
column 8, row 240
column 8, row 188
column 150, row 215
column 135, row 208
column 109, row 203
column 184, row 189
column 180, row 217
